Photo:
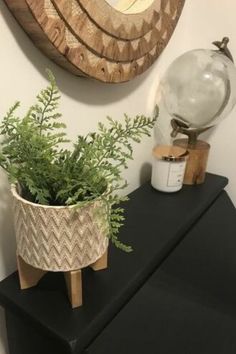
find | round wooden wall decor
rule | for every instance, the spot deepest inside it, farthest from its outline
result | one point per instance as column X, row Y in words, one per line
column 111, row 41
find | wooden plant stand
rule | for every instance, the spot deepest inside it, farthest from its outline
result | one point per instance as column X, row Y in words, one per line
column 29, row 276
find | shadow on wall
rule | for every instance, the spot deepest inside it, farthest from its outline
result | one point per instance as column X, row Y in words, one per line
column 7, row 247
column 145, row 173
column 83, row 90
column 7, row 237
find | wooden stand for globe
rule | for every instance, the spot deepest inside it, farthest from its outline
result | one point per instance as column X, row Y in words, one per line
column 197, row 160
column 198, row 151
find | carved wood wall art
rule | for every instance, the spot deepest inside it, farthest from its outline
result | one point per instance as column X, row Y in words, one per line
column 92, row 38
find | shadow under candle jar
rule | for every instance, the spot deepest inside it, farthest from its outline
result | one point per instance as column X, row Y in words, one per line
column 168, row 168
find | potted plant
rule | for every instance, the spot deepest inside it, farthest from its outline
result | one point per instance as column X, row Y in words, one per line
column 66, row 201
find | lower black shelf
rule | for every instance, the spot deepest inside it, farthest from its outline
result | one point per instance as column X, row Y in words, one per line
column 188, row 306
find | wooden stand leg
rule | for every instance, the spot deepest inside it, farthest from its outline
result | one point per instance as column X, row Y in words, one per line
column 74, row 287
column 28, row 275
column 101, row 263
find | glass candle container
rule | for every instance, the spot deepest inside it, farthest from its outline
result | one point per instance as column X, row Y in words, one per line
column 168, row 169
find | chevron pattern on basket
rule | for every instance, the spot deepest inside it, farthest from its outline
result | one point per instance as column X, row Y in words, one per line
column 59, row 238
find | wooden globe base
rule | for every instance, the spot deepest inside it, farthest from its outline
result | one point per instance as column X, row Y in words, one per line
column 30, row 276
column 197, row 160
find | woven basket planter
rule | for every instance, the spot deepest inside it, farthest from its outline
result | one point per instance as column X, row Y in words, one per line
column 59, row 238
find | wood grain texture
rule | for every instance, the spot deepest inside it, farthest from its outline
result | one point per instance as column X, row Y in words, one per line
column 74, row 286
column 197, row 161
column 101, row 263
column 28, row 275
column 92, row 39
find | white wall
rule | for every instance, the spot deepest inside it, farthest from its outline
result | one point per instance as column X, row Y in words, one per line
column 84, row 102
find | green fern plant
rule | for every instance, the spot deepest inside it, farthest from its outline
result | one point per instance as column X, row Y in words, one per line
column 33, row 156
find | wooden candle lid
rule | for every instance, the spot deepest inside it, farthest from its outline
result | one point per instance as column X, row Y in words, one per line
column 170, row 153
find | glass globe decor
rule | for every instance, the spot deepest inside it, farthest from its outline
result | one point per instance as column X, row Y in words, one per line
column 199, row 91
column 199, row 87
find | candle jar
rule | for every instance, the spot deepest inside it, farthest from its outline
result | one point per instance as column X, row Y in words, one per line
column 169, row 163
